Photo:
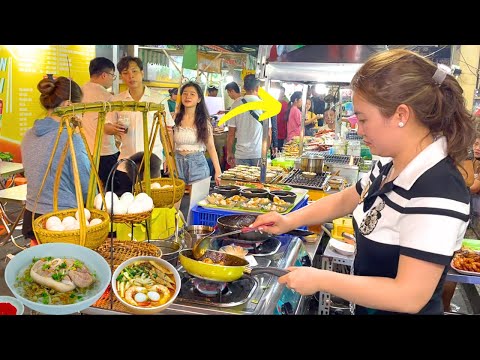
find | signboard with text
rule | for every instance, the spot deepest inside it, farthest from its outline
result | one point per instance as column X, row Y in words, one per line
column 21, row 68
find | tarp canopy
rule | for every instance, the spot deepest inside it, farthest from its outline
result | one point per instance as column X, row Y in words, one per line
column 303, row 72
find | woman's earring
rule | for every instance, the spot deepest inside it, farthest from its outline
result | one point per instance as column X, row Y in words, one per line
column 401, row 124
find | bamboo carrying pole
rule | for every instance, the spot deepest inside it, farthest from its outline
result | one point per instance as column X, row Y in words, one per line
column 158, row 125
column 103, row 108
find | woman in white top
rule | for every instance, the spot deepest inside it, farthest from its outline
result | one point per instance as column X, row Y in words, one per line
column 192, row 135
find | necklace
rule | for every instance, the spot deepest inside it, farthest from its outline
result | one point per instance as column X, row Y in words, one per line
column 389, row 176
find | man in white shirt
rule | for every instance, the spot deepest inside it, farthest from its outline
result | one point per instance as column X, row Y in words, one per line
column 102, row 75
column 131, row 71
column 246, row 129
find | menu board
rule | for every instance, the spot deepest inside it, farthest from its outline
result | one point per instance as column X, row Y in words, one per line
column 21, row 68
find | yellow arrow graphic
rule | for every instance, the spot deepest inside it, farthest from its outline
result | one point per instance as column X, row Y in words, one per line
column 268, row 104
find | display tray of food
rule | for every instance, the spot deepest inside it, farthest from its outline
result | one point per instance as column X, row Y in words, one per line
column 466, row 262
column 252, row 173
column 245, row 202
column 257, row 185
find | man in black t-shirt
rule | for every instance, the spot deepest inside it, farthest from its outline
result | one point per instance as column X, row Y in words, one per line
column 318, row 105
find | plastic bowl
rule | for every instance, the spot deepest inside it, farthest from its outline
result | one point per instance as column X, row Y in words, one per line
column 254, row 193
column 14, row 302
column 342, row 247
column 140, row 309
column 288, row 196
column 227, row 190
column 92, row 260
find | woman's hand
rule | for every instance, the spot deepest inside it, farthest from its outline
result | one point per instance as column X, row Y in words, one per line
column 273, row 223
column 303, row 280
column 217, row 177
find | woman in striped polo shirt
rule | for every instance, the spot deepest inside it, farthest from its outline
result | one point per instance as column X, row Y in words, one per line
column 411, row 211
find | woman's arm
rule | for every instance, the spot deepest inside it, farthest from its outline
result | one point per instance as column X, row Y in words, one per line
column 311, row 118
column 214, row 156
column 408, row 292
column 321, row 211
column 475, row 188
column 466, row 169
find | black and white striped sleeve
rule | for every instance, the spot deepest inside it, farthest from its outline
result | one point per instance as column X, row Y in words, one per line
column 432, row 228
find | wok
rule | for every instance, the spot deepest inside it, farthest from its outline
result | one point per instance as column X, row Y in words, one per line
column 233, row 269
column 230, row 223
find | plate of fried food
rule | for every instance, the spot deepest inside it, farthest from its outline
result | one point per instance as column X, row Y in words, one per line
column 466, row 262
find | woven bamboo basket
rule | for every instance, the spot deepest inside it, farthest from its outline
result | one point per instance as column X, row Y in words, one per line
column 105, row 303
column 165, row 197
column 132, row 218
column 126, row 249
column 96, row 234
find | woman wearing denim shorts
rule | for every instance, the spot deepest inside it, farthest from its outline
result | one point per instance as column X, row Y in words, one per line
column 193, row 135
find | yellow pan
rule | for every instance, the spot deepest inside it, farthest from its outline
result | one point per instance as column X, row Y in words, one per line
column 212, row 272
column 233, row 270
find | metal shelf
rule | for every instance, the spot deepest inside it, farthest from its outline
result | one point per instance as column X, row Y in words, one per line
column 330, row 258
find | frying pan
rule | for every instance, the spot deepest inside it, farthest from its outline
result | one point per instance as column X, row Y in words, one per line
column 233, row 269
column 230, row 223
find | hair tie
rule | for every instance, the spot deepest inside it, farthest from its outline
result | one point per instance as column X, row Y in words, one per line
column 441, row 73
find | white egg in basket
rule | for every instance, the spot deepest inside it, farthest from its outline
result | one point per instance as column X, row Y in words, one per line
column 342, row 247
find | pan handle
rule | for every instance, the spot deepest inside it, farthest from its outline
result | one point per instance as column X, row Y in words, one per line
column 269, row 270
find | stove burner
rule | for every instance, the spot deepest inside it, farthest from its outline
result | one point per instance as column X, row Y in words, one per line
column 265, row 248
column 232, row 294
column 209, row 288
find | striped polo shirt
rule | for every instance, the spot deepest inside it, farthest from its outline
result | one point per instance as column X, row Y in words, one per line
column 423, row 213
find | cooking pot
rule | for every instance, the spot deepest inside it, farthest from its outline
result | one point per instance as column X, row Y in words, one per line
column 197, row 232
column 230, row 223
column 312, row 163
column 233, row 269
column 170, row 250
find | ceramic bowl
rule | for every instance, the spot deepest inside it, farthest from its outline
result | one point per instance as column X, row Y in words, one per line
column 14, row 302
column 92, row 260
column 146, row 310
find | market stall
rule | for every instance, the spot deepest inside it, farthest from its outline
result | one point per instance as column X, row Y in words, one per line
column 317, row 65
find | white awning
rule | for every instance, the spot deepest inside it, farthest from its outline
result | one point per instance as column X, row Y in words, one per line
column 312, row 72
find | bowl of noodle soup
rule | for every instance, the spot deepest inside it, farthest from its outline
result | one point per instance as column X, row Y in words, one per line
column 146, row 284
column 46, row 300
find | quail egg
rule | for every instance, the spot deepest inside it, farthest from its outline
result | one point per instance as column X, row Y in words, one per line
column 140, row 297
column 154, row 296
